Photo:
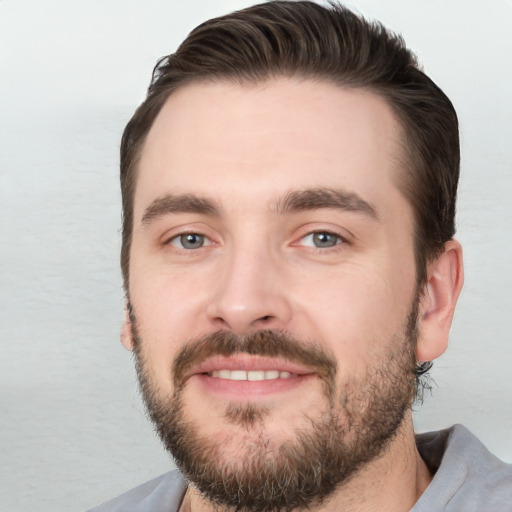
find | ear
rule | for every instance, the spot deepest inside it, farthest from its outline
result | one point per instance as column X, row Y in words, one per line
column 445, row 279
column 126, row 330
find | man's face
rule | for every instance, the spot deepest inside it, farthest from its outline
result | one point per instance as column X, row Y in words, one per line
column 272, row 210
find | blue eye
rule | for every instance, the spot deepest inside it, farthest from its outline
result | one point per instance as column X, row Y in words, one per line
column 190, row 241
column 322, row 239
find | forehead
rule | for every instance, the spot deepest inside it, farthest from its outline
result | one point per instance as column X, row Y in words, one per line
column 223, row 138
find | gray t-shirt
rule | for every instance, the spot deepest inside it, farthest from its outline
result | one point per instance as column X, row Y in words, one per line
column 468, row 478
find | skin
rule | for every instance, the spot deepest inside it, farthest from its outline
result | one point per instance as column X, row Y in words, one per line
column 243, row 148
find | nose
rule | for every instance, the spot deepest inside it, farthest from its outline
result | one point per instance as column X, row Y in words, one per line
column 250, row 294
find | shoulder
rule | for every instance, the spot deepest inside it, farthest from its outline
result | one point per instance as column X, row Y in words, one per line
column 467, row 476
column 163, row 493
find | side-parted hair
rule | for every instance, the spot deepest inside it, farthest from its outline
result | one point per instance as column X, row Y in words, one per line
column 307, row 40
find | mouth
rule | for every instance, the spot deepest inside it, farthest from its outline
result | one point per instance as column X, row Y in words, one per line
column 253, row 375
column 245, row 376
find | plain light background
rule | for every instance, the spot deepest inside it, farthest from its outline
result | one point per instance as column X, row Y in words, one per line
column 72, row 430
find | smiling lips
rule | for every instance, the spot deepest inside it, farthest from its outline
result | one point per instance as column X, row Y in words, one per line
column 252, row 375
column 250, row 367
column 249, row 375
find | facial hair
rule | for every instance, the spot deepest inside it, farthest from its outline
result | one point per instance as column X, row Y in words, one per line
column 355, row 426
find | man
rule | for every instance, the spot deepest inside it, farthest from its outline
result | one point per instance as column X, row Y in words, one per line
column 289, row 194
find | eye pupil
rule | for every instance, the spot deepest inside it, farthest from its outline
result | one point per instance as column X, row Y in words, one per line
column 324, row 240
column 192, row 241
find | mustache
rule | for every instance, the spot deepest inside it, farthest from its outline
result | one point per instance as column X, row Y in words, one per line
column 269, row 343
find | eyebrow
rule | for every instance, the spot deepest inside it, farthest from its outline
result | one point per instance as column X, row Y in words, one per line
column 183, row 203
column 329, row 198
column 294, row 201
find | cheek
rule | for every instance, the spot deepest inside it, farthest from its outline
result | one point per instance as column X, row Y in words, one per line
column 156, row 330
column 170, row 310
column 357, row 313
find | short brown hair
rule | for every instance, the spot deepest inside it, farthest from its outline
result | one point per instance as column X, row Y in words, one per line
column 304, row 39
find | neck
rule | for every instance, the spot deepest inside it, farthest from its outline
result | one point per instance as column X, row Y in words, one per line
column 391, row 483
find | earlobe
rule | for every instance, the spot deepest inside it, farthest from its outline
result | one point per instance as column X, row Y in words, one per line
column 126, row 330
column 445, row 279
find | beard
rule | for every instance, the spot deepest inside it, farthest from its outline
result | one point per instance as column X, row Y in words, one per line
column 356, row 422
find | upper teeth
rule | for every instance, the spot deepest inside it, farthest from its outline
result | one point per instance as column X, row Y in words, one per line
column 251, row 375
